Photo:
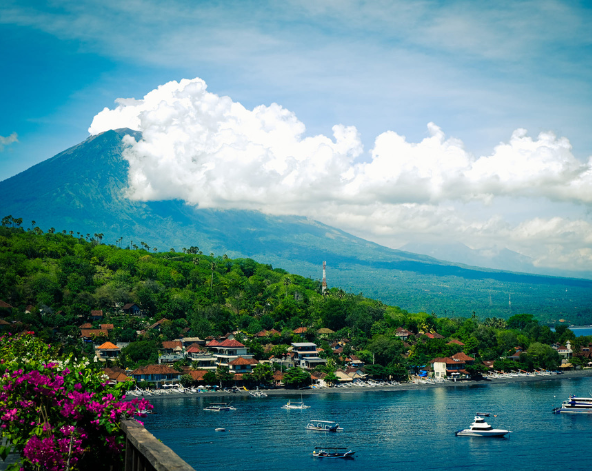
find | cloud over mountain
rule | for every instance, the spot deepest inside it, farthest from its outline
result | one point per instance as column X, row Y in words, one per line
column 214, row 153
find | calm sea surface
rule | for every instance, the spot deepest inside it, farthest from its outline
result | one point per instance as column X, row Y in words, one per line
column 388, row 430
column 581, row 331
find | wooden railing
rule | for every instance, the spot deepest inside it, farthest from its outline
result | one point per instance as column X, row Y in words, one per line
column 143, row 452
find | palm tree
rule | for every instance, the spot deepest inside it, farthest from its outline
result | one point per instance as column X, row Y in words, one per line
column 287, row 282
column 213, row 267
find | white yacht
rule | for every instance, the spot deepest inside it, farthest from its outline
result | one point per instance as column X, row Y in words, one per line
column 480, row 428
column 575, row 405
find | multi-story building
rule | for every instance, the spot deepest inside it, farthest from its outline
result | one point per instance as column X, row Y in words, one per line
column 306, row 355
column 226, row 351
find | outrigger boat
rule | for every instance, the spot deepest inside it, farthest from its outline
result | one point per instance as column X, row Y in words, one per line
column 575, row 405
column 327, row 452
column 323, row 426
column 295, row 405
column 219, row 406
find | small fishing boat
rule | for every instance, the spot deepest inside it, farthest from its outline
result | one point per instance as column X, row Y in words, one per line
column 575, row 405
column 480, row 428
column 323, row 426
column 328, row 452
column 295, row 405
column 220, row 429
column 219, row 406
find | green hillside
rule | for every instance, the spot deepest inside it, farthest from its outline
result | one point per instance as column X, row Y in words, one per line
column 53, row 281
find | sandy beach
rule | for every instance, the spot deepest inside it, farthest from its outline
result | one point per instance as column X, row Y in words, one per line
column 568, row 375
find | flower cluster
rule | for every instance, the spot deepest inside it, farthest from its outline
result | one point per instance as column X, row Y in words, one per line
column 60, row 413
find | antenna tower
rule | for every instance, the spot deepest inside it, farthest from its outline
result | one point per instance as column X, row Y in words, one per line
column 324, row 289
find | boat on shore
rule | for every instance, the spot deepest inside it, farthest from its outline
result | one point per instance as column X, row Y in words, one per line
column 575, row 405
column 219, row 406
column 323, row 426
column 329, row 452
column 257, row 393
column 480, row 428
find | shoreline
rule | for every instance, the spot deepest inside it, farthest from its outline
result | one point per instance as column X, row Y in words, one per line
column 400, row 387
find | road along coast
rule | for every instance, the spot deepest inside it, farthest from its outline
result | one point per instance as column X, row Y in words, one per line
column 568, row 375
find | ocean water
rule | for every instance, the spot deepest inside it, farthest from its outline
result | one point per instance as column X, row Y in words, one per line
column 581, row 331
column 396, row 430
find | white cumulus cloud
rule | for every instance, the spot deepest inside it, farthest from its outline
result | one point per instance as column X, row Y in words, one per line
column 212, row 152
column 5, row 141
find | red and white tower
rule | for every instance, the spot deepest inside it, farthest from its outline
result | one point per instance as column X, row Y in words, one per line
column 324, row 289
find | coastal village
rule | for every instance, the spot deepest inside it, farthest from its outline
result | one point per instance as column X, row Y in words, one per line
column 193, row 357
column 204, row 320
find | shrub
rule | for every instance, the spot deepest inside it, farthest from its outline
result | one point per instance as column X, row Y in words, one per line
column 57, row 412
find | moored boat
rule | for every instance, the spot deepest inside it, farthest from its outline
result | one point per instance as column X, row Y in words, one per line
column 328, row 452
column 295, row 405
column 575, row 405
column 480, row 428
column 219, row 406
column 323, row 426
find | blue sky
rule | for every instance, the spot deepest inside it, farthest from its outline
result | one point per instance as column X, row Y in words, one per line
column 478, row 70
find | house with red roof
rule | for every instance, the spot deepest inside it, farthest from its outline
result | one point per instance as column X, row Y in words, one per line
column 278, row 377
column 107, row 351
column 434, row 335
column 354, row 362
column 157, row 374
column 196, row 375
column 158, row 324
column 106, row 326
column 88, row 335
column 96, row 315
column 242, row 365
column 403, row 334
column 200, row 357
column 267, row 333
column 455, row 342
column 227, row 351
column 116, row 375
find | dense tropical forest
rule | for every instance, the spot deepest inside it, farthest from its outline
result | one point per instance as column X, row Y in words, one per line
column 51, row 281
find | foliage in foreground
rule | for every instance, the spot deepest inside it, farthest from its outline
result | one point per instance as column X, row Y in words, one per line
column 58, row 412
